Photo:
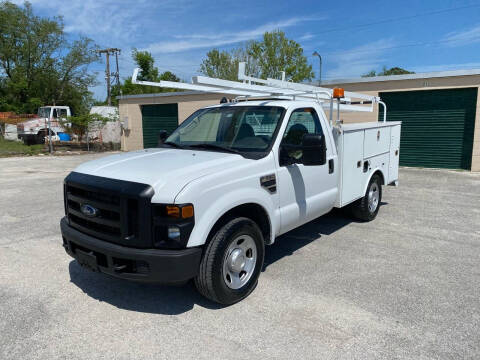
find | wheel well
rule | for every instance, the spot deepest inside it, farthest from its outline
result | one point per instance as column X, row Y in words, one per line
column 380, row 174
column 254, row 212
column 44, row 132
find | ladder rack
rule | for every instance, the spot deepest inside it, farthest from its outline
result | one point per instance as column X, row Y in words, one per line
column 252, row 87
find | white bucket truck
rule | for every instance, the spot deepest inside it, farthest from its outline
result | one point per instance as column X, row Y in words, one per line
column 229, row 180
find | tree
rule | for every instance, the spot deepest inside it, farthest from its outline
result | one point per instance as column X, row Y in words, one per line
column 388, row 72
column 276, row 53
column 38, row 66
column 80, row 124
column 169, row 76
column 265, row 59
column 220, row 64
column 371, row 73
column 148, row 72
column 145, row 61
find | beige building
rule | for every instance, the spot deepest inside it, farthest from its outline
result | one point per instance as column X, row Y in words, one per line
column 147, row 114
column 440, row 113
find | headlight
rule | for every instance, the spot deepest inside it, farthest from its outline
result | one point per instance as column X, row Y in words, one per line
column 173, row 232
column 172, row 225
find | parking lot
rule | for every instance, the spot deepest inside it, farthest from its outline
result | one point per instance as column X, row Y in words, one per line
column 405, row 286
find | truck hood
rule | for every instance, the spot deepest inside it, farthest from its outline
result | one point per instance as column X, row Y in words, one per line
column 166, row 170
column 32, row 121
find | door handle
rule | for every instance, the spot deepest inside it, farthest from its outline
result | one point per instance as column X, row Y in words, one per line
column 331, row 166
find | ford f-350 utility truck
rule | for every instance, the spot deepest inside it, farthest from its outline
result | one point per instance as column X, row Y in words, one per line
column 226, row 183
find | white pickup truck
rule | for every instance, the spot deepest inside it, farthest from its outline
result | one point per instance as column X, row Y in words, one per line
column 34, row 131
column 222, row 186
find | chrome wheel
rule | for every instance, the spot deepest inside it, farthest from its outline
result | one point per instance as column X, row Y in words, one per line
column 373, row 197
column 239, row 262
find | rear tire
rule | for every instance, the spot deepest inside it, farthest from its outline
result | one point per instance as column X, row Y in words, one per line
column 40, row 137
column 232, row 262
column 366, row 208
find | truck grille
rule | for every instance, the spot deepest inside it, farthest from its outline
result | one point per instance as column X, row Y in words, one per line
column 119, row 209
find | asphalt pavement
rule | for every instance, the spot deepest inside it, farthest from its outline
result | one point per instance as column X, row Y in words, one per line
column 405, row 286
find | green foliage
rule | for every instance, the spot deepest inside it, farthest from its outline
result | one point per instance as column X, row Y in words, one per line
column 220, row 64
column 145, row 61
column 148, row 72
column 264, row 59
column 371, row 73
column 276, row 53
column 80, row 124
column 10, row 147
column 38, row 66
column 388, row 72
column 169, row 76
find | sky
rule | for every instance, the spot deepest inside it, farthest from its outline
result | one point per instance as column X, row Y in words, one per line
column 353, row 37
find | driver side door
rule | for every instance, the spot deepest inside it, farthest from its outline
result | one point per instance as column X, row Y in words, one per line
column 306, row 192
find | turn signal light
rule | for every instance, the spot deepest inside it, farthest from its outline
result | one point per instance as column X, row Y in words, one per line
column 338, row 93
column 183, row 212
column 187, row 211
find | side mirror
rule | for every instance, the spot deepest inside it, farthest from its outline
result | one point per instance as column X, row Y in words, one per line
column 162, row 136
column 314, row 150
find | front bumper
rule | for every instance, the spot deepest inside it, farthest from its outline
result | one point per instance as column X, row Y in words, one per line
column 147, row 265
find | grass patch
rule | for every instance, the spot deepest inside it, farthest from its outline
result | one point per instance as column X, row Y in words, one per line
column 10, row 147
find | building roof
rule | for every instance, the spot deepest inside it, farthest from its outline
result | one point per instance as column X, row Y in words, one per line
column 427, row 75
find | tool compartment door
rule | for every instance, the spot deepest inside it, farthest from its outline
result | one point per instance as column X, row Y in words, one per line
column 352, row 166
column 377, row 141
column 394, row 154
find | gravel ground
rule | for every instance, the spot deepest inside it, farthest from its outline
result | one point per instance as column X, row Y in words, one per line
column 405, row 286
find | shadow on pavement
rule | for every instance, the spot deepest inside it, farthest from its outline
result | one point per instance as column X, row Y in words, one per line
column 129, row 295
column 288, row 243
column 172, row 300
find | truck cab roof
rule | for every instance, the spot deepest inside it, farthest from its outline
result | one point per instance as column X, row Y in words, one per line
column 55, row 106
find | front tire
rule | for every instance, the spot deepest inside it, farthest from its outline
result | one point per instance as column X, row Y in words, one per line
column 366, row 208
column 40, row 137
column 232, row 262
column 29, row 140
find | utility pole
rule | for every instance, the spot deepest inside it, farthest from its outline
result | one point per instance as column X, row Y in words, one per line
column 108, row 52
column 50, row 145
column 320, row 74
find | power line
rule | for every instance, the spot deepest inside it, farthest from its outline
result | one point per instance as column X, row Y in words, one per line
column 116, row 75
column 435, row 12
column 397, row 47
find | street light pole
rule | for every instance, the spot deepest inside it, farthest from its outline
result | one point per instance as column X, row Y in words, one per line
column 320, row 74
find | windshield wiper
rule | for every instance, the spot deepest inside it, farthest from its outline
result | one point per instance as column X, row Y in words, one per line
column 214, row 147
column 172, row 144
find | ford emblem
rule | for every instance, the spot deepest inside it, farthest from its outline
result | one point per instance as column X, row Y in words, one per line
column 89, row 210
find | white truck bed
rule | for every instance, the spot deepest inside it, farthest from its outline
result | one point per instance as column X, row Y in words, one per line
column 364, row 148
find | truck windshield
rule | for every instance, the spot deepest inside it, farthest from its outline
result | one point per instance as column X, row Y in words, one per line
column 44, row 112
column 248, row 130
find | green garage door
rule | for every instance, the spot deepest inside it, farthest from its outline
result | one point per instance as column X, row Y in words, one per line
column 437, row 126
column 156, row 118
